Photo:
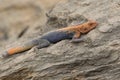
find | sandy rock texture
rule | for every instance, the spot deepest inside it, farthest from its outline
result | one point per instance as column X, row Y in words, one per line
column 96, row 58
column 20, row 17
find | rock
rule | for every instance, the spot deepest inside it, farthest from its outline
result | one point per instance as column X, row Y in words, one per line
column 105, row 28
column 65, row 20
column 21, row 14
column 96, row 58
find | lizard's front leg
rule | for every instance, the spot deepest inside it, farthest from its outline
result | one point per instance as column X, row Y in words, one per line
column 76, row 38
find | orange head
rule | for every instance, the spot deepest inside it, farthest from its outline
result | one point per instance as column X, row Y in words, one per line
column 86, row 27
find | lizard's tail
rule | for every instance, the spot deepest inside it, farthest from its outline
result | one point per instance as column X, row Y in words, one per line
column 39, row 43
column 18, row 49
column 15, row 50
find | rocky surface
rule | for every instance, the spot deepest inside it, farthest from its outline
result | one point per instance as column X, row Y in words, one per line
column 97, row 58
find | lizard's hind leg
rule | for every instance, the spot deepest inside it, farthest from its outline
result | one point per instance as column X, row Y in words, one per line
column 42, row 43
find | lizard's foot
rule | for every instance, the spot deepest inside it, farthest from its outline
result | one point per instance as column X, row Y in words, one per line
column 77, row 40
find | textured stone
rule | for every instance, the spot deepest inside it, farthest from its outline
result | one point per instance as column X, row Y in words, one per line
column 96, row 58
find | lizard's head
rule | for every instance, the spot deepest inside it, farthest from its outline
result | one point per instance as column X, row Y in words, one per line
column 88, row 26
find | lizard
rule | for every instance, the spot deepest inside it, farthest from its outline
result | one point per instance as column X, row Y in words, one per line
column 73, row 32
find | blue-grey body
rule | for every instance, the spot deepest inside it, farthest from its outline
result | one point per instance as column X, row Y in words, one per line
column 56, row 36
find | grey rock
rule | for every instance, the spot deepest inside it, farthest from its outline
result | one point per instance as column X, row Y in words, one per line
column 96, row 58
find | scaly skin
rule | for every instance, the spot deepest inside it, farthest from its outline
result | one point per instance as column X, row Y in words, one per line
column 73, row 32
column 83, row 28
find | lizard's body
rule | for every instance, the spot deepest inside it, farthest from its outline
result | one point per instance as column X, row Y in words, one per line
column 73, row 32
